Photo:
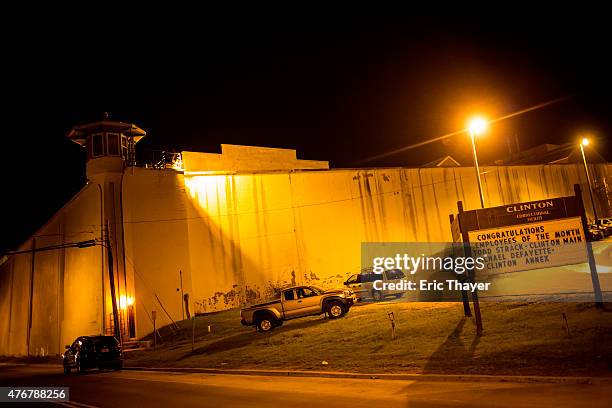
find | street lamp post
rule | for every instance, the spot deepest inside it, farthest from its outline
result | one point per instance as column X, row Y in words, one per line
column 585, row 142
column 476, row 127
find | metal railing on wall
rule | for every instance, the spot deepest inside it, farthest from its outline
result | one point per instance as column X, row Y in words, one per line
column 158, row 159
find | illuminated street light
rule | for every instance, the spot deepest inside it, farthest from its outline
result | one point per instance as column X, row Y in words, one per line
column 476, row 127
column 585, row 142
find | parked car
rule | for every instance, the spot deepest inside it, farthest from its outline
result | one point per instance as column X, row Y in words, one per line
column 595, row 233
column 93, row 352
column 295, row 302
column 363, row 284
column 605, row 226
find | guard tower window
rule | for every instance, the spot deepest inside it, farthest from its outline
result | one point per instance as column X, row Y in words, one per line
column 112, row 141
column 97, row 145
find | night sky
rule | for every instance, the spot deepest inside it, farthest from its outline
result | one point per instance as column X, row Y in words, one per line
column 336, row 89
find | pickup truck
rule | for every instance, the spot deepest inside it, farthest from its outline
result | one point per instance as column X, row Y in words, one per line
column 295, row 302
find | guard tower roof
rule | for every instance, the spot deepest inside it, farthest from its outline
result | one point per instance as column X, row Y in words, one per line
column 78, row 134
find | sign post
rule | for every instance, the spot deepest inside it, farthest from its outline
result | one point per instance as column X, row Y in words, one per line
column 471, row 274
column 154, row 317
column 454, row 222
column 591, row 257
column 192, row 333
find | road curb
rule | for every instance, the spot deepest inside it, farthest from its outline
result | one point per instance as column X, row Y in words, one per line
column 365, row 376
column 44, row 365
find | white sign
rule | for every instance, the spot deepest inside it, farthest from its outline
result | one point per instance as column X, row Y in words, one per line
column 530, row 246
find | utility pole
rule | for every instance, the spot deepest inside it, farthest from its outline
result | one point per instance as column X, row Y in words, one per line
column 475, row 158
column 583, row 143
column 111, row 278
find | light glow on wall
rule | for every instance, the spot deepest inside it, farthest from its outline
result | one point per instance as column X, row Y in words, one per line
column 125, row 302
column 177, row 164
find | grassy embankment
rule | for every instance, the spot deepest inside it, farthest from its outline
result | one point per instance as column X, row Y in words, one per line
column 519, row 338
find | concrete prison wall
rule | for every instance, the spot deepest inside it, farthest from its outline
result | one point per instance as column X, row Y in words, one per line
column 49, row 298
column 236, row 238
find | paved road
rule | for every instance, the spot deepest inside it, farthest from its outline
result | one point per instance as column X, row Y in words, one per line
column 149, row 389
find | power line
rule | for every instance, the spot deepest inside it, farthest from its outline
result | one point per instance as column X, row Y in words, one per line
column 458, row 132
column 81, row 244
column 297, row 207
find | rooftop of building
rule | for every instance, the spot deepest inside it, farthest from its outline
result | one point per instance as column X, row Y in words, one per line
column 551, row 154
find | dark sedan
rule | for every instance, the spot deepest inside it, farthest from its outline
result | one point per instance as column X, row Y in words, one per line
column 93, row 352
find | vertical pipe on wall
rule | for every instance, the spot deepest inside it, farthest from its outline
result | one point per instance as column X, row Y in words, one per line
column 111, row 276
column 11, row 283
column 300, row 272
column 102, row 260
column 121, row 230
column 61, row 264
column 114, row 243
column 32, row 267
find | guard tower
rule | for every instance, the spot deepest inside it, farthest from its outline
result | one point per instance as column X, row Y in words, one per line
column 110, row 145
column 110, row 150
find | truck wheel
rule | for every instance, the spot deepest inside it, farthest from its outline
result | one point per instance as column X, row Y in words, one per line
column 377, row 295
column 335, row 310
column 265, row 323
